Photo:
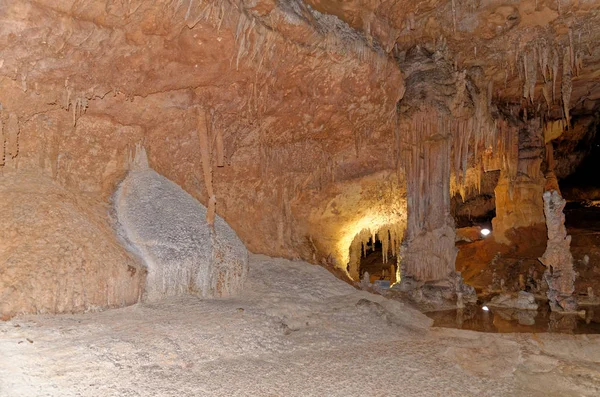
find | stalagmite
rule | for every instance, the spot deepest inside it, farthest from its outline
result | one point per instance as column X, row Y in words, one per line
column 560, row 274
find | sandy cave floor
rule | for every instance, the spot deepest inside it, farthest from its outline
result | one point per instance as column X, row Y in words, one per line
column 295, row 331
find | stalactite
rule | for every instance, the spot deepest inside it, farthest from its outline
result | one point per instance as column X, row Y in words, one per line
column 555, row 63
column 526, row 84
column 546, row 93
column 532, row 77
column 2, row 145
column 571, row 50
column 530, row 72
column 454, row 16
column 260, row 38
column 77, row 103
column 220, row 148
column 137, row 159
column 385, row 246
column 187, row 14
column 566, row 87
column 221, row 16
column 24, row 82
column 205, row 152
column 390, row 236
column 12, row 136
column 543, row 58
column 579, row 61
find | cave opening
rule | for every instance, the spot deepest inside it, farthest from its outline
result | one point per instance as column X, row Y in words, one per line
column 581, row 189
column 583, row 184
column 376, row 262
column 474, row 211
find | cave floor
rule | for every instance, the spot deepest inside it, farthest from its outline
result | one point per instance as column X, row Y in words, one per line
column 295, row 331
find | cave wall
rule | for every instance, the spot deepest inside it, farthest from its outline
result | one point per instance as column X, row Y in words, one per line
column 58, row 252
column 82, row 84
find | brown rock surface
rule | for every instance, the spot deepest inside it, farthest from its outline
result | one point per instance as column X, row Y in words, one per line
column 58, row 253
column 521, row 185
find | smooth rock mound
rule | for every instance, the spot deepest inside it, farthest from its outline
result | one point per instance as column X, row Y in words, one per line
column 167, row 228
column 58, row 253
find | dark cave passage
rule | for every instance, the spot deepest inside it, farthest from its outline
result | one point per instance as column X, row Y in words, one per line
column 584, row 183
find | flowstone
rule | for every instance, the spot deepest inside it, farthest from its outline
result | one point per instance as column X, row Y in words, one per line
column 58, row 254
column 167, row 228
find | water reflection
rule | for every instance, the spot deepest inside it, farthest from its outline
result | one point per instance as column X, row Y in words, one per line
column 502, row 320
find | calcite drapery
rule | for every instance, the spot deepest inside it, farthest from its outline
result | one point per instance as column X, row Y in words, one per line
column 429, row 252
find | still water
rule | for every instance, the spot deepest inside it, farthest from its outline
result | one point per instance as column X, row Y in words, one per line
column 501, row 320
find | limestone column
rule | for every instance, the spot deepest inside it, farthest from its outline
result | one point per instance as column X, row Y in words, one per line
column 428, row 252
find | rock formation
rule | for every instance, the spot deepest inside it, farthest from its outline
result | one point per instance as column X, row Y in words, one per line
column 169, row 231
column 58, row 253
column 521, row 301
column 560, row 274
column 444, row 123
column 521, row 184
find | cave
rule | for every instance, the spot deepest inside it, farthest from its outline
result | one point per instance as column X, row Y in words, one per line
column 378, row 261
column 299, row 198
